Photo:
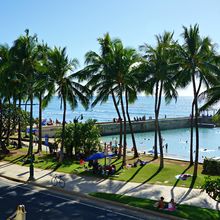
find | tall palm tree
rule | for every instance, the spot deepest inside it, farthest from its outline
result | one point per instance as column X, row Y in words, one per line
column 4, row 91
column 159, row 74
column 126, row 62
column 197, row 60
column 27, row 61
column 41, row 86
column 61, row 82
column 18, row 80
column 101, row 77
column 106, row 75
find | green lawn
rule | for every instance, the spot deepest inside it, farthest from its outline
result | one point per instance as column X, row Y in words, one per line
column 183, row 211
column 140, row 174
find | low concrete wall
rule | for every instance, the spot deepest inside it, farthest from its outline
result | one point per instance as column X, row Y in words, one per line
column 50, row 130
column 110, row 128
column 144, row 126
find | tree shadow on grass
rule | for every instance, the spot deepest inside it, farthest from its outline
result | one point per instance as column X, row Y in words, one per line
column 119, row 162
column 13, row 161
column 150, row 178
column 49, row 174
column 114, row 162
column 177, row 181
column 136, row 172
column 132, row 177
column 189, row 190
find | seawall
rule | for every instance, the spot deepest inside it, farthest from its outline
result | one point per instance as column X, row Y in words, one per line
column 110, row 128
column 149, row 125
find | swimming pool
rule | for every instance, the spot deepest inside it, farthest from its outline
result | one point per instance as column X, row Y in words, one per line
column 178, row 141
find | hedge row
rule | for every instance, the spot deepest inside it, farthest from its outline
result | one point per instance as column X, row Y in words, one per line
column 211, row 167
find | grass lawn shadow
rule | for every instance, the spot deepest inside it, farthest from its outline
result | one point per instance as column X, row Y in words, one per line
column 177, row 181
column 189, row 190
column 14, row 161
column 53, row 170
column 151, row 177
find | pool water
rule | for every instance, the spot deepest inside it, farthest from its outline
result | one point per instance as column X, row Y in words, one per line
column 178, row 141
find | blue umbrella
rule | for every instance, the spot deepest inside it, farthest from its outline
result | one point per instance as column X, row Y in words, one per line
column 97, row 156
column 33, row 130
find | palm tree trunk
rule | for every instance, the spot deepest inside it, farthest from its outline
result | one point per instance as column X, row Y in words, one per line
column 40, row 125
column 125, row 141
column 14, row 117
column 161, row 148
column 192, row 124
column 191, row 134
column 31, row 177
column 197, row 128
column 19, row 124
column 120, row 121
column 30, row 150
column 63, row 125
column 130, row 125
column 155, row 123
column 9, row 123
column 158, row 127
column 25, row 108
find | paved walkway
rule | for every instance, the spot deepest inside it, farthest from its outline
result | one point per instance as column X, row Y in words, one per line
column 84, row 184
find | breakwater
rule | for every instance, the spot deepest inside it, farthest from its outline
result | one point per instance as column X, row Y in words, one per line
column 149, row 125
column 111, row 128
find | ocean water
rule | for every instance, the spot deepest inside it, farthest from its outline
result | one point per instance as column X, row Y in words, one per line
column 144, row 105
column 178, row 141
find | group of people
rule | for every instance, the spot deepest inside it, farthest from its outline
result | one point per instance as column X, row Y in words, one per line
column 143, row 118
column 171, row 206
column 117, row 120
column 50, row 122
column 111, row 148
column 100, row 169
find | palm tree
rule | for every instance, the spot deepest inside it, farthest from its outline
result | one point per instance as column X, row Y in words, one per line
column 106, row 75
column 41, row 87
column 197, row 60
column 159, row 75
column 26, row 53
column 211, row 96
column 4, row 91
column 126, row 62
column 61, row 82
column 101, row 76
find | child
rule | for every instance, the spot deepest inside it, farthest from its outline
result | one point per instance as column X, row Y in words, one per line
column 160, row 203
column 171, row 205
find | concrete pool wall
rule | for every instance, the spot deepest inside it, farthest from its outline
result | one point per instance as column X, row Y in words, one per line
column 111, row 128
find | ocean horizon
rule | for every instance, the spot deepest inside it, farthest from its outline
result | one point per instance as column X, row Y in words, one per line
column 105, row 112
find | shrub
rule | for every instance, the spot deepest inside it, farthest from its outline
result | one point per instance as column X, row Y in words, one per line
column 211, row 167
column 212, row 188
column 80, row 138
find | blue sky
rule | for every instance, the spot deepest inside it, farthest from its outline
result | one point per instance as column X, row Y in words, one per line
column 77, row 24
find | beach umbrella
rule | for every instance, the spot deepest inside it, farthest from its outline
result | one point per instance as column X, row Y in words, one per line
column 33, row 130
column 98, row 155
